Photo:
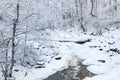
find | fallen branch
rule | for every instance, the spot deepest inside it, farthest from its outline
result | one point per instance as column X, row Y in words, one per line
column 77, row 42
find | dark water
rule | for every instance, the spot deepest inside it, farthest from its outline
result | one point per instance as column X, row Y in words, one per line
column 72, row 73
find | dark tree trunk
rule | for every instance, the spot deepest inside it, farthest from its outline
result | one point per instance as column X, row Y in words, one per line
column 81, row 14
column 13, row 41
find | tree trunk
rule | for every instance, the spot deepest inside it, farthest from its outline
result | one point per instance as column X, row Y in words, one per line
column 13, row 41
column 24, row 54
column 6, row 61
column 81, row 14
column 93, row 8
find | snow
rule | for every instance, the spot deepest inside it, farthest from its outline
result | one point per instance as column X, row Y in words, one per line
column 108, row 70
column 39, row 74
column 106, row 65
column 97, row 54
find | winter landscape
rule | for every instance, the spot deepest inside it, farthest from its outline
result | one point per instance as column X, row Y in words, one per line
column 59, row 39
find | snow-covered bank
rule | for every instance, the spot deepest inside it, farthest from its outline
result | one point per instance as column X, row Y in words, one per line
column 101, row 55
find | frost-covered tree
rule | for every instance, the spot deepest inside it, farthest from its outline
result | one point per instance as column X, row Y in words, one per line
column 13, row 28
column 24, row 20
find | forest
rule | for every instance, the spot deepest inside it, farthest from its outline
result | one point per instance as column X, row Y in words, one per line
column 59, row 39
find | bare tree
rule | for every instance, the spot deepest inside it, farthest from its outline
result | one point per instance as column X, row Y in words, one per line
column 81, row 16
column 6, row 61
column 4, row 64
column 93, row 8
column 15, row 21
column 13, row 39
column 115, row 4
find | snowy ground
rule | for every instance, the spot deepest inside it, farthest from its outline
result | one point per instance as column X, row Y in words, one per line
column 102, row 55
